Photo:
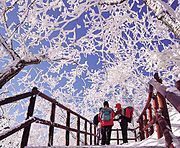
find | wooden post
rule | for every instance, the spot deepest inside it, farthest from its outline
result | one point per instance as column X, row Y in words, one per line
column 142, row 137
column 117, row 136
column 163, row 106
column 95, row 135
column 145, row 123
column 78, row 133
column 51, row 127
column 156, row 106
column 90, row 133
column 67, row 125
column 165, row 130
column 150, row 119
column 135, row 135
column 30, row 111
column 162, row 102
column 85, row 134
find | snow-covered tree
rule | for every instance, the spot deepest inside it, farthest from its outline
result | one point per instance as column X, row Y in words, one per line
column 82, row 52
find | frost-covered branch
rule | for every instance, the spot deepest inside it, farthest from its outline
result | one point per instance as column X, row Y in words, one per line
column 162, row 10
column 9, row 50
column 165, row 13
column 25, row 16
column 15, row 67
column 111, row 2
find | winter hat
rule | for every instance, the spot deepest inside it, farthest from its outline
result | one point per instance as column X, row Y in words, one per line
column 106, row 103
column 118, row 106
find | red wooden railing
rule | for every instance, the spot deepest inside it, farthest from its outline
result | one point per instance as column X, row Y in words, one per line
column 155, row 112
column 26, row 125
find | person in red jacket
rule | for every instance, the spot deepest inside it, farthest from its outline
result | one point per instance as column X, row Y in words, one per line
column 123, row 120
column 106, row 117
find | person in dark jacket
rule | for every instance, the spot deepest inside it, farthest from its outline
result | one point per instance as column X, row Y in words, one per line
column 123, row 122
column 96, row 121
column 106, row 117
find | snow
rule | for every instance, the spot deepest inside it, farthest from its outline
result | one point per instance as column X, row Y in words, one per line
column 174, row 90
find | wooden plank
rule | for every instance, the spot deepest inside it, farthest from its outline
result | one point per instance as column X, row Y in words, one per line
column 15, row 98
column 117, row 137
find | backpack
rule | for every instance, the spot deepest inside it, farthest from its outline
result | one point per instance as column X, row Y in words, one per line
column 95, row 120
column 106, row 114
column 128, row 112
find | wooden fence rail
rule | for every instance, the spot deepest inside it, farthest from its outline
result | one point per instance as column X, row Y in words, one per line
column 155, row 113
column 30, row 119
column 26, row 125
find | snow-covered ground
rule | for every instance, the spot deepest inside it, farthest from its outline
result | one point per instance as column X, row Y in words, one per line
column 152, row 140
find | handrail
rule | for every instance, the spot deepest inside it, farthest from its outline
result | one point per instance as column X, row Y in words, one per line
column 40, row 121
column 27, row 124
column 135, row 138
column 46, row 122
column 16, row 128
column 155, row 103
column 35, row 91
column 51, row 123
column 15, row 98
column 58, row 104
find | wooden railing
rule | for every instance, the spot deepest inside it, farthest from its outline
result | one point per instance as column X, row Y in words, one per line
column 26, row 125
column 51, row 123
column 135, row 136
column 155, row 113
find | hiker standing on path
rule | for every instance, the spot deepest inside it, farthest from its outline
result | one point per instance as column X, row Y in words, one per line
column 96, row 122
column 106, row 117
column 124, row 116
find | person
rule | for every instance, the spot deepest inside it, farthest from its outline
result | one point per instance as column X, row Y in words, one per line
column 106, row 117
column 96, row 122
column 123, row 120
column 171, row 94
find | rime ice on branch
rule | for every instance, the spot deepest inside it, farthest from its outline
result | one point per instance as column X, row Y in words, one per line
column 165, row 13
